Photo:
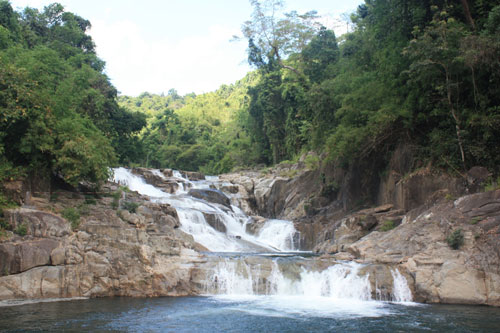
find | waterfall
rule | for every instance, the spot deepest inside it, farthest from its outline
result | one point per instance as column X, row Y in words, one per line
column 249, row 268
column 276, row 235
column 135, row 183
column 400, row 290
column 340, row 281
column 279, row 234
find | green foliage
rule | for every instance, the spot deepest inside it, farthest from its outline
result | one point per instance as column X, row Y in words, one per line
column 90, row 200
column 130, row 206
column 449, row 197
column 4, row 225
column 387, row 225
column 492, row 185
column 116, row 198
column 21, row 230
column 475, row 220
column 330, row 189
column 73, row 216
column 59, row 110
column 312, row 161
column 456, row 239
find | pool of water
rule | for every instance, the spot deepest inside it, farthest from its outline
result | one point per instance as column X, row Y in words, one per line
column 244, row 314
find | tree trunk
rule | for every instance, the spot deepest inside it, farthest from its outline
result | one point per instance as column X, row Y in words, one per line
column 468, row 16
column 455, row 117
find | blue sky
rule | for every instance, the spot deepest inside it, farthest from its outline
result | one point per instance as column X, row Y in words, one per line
column 155, row 45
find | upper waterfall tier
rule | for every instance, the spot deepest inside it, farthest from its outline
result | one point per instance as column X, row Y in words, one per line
column 216, row 226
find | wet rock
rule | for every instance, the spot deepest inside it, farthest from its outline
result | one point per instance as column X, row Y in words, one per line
column 193, row 175
column 256, row 223
column 216, row 222
column 211, row 195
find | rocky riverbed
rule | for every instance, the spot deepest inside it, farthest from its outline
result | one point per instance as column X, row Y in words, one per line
column 126, row 245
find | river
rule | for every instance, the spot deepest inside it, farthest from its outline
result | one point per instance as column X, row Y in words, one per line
column 258, row 282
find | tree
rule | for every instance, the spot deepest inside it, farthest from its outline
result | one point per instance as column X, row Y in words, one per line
column 438, row 46
column 271, row 37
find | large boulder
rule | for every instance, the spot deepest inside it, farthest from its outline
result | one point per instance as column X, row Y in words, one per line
column 38, row 223
column 19, row 257
column 211, row 195
column 421, row 244
column 215, row 221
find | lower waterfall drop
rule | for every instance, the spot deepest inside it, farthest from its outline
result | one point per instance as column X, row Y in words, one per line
column 400, row 290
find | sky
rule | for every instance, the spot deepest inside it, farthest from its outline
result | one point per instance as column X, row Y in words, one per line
column 156, row 45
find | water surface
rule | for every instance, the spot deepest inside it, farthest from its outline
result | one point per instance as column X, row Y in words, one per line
column 243, row 314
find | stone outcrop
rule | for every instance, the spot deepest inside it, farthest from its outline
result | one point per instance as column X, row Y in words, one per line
column 143, row 252
column 211, row 195
column 408, row 228
column 113, row 253
column 37, row 223
column 469, row 275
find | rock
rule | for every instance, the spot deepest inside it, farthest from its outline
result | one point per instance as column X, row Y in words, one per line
column 19, row 257
column 230, row 188
column 211, row 195
column 15, row 190
column 38, row 223
column 441, row 273
column 194, row 175
column 476, row 177
column 167, row 172
column 256, row 223
column 215, row 221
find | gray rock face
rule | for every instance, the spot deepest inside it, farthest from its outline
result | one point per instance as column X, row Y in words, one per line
column 38, row 223
column 211, row 195
column 469, row 275
column 19, row 257
column 137, row 254
column 215, row 222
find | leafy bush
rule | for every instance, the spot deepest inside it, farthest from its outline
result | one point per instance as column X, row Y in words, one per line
column 4, row 225
column 312, row 162
column 387, row 225
column 492, row 185
column 73, row 216
column 330, row 190
column 116, row 199
column 21, row 230
column 130, row 206
column 456, row 239
column 90, row 200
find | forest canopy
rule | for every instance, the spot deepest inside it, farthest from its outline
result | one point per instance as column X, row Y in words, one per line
column 59, row 112
column 424, row 74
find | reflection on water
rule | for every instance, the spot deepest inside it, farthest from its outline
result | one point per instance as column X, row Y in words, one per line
column 244, row 314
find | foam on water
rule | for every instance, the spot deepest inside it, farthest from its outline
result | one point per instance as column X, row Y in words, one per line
column 135, row 183
column 400, row 290
column 338, row 290
column 279, row 234
column 276, row 235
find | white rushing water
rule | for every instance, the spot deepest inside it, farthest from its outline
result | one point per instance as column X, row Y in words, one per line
column 279, row 234
column 400, row 290
column 276, row 235
column 337, row 291
column 341, row 281
column 265, row 286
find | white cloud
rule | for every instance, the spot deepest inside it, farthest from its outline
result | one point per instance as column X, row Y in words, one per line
column 195, row 63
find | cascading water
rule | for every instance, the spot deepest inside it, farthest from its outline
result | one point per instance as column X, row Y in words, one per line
column 236, row 277
column 265, row 280
column 192, row 216
column 400, row 290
